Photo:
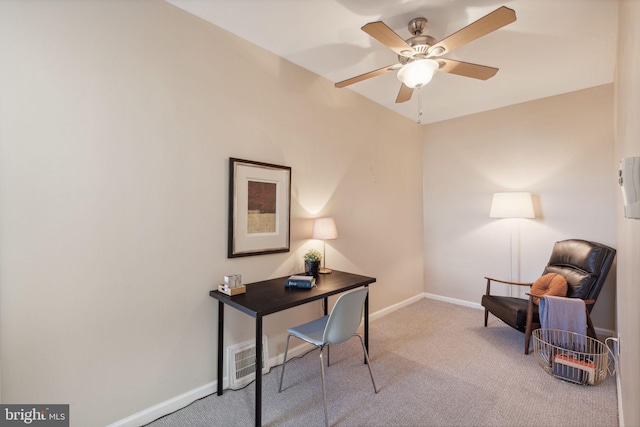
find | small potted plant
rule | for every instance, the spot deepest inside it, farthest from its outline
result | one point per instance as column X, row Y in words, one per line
column 312, row 262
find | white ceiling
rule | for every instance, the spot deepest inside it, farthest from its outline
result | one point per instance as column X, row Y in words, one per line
column 554, row 47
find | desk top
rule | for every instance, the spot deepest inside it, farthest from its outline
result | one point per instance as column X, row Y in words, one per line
column 270, row 296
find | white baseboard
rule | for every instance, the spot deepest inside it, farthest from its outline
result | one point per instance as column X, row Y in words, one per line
column 168, row 406
column 601, row 332
column 381, row 313
column 619, row 391
column 454, row 301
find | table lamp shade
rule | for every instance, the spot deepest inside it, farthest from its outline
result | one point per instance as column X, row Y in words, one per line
column 512, row 205
column 324, row 229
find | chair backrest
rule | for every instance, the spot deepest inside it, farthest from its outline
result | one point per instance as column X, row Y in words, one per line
column 345, row 316
column 583, row 264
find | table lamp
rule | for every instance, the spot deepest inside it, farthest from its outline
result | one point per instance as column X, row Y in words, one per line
column 324, row 229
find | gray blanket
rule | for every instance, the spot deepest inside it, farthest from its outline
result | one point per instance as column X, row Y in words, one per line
column 568, row 314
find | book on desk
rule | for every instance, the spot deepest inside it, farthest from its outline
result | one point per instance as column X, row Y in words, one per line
column 304, row 282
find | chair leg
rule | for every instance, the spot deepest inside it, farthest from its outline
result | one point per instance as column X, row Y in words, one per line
column 328, row 355
column 324, row 391
column 527, row 338
column 591, row 331
column 286, row 350
column 366, row 356
column 529, row 326
column 486, row 317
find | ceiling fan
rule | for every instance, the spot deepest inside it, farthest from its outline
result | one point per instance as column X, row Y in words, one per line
column 419, row 56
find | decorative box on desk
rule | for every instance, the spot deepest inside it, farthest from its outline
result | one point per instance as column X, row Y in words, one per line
column 232, row 291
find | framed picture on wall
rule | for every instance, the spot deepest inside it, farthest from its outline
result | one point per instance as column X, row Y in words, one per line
column 259, row 208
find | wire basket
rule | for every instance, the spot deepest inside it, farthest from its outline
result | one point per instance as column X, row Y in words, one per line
column 571, row 357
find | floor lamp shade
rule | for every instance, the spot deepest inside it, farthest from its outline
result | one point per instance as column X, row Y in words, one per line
column 512, row 205
column 324, row 229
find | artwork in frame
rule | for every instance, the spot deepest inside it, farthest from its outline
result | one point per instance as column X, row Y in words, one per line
column 259, row 208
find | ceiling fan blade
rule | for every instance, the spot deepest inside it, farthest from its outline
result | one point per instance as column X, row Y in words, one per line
column 385, row 35
column 366, row 76
column 466, row 69
column 404, row 94
column 483, row 26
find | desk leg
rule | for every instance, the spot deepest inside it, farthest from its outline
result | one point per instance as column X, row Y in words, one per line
column 220, row 345
column 326, row 306
column 258, row 371
column 366, row 323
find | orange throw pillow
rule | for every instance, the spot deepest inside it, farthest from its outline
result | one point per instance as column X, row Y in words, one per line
column 550, row 284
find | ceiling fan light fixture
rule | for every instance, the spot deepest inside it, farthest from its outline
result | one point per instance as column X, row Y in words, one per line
column 417, row 73
column 437, row 51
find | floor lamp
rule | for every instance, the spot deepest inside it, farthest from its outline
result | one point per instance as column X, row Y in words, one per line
column 512, row 205
column 324, row 229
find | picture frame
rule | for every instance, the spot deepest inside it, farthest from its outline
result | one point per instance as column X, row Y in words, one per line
column 259, row 208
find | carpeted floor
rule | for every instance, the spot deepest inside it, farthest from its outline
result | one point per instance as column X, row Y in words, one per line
column 435, row 364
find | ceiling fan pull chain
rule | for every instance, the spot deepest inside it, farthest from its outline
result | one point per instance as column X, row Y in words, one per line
column 420, row 104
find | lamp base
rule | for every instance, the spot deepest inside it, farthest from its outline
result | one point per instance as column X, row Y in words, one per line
column 325, row 271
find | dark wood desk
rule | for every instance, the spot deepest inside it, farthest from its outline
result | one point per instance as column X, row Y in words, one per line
column 270, row 296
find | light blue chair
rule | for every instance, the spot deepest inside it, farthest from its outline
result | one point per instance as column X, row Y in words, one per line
column 335, row 328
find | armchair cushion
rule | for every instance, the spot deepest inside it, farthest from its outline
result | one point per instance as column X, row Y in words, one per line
column 552, row 284
column 511, row 310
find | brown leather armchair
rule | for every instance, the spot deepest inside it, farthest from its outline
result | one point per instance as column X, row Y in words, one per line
column 583, row 264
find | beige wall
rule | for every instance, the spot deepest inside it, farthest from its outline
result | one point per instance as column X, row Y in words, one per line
column 628, row 145
column 118, row 119
column 561, row 149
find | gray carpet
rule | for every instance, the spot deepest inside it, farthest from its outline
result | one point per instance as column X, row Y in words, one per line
column 434, row 364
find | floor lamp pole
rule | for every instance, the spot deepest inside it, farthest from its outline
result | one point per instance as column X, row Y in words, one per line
column 511, row 259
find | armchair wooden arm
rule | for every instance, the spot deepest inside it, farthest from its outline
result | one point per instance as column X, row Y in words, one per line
column 586, row 301
column 491, row 279
column 507, row 282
